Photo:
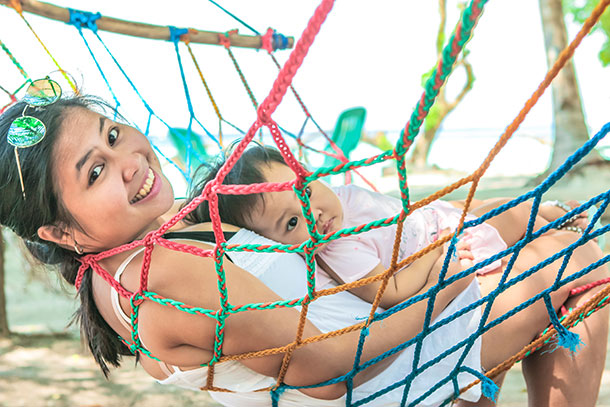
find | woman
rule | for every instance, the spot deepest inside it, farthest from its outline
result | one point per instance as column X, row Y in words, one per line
column 91, row 184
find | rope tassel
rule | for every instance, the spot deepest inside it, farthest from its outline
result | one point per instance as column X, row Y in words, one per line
column 488, row 387
column 565, row 338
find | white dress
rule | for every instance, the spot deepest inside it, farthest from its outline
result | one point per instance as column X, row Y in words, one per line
column 285, row 275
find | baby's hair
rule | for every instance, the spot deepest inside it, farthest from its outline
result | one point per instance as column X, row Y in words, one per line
column 233, row 209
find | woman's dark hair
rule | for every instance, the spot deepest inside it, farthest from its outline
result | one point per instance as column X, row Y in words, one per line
column 43, row 206
column 233, row 209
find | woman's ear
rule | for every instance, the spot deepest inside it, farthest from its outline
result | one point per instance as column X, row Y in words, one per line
column 57, row 235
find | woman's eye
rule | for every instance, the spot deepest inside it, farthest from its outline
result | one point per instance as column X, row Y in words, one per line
column 113, row 135
column 308, row 191
column 292, row 223
column 95, row 173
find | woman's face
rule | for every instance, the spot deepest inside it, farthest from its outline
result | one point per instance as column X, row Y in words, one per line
column 109, row 180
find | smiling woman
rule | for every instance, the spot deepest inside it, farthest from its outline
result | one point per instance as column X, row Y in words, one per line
column 92, row 184
column 108, row 169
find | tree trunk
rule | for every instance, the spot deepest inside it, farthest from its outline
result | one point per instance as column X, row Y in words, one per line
column 3, row 315
column 569, row 125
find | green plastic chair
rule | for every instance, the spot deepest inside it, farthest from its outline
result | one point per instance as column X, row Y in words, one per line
column 347, row 133
column 199, row 155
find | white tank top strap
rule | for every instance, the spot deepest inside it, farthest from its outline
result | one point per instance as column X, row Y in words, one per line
column 124, row 318
column 114, row 294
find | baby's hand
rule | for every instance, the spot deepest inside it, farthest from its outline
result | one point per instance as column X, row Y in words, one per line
column 464, row 255
column 461, row 258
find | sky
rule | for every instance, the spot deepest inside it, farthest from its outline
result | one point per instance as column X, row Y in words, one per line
column 369, row 54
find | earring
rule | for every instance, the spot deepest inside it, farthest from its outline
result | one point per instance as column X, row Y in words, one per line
column 77, row 249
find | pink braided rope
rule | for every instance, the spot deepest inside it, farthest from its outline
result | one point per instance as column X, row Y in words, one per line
column 210, row 191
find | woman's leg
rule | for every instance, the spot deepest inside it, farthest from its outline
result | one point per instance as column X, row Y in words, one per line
column 555, row 379
column 513, row 334
column 512, row 223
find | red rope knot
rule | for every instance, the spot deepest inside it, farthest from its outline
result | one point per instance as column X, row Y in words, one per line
column 223, row 39
column 137, row 298
column 151, row 238
column 267, row 40
column 298, row 183
column 263, row 116
column 84, row 266
column 213, row 189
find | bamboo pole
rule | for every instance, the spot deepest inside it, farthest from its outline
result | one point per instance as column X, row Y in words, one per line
column 142, row 30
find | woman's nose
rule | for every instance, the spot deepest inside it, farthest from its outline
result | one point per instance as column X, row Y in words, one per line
column 130, row 164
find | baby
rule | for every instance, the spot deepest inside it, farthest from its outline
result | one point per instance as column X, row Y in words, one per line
column 278, row 216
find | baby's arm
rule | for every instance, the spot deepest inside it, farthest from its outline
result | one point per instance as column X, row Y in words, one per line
column 408, row 281
column 401, row 286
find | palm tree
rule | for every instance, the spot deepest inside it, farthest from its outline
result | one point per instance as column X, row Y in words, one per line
column 569, row 125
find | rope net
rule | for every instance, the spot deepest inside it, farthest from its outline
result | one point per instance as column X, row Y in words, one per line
column 303, row 177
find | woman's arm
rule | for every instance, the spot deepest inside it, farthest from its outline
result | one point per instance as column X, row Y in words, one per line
column 186, row 340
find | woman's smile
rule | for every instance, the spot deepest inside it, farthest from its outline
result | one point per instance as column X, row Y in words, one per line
column 150, row 187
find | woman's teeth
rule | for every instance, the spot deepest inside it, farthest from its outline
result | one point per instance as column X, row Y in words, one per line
column 145, row 190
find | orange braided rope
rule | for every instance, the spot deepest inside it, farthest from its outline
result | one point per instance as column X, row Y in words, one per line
column 186, row 40
column 16, row 5
column 564, row 56
column 574, row 315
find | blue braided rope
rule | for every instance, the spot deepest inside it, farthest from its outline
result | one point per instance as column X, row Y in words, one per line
column 146, row 106
column 239, row 20
column 78, row 20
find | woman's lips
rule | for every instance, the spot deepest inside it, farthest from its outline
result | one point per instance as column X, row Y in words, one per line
column 154, row 188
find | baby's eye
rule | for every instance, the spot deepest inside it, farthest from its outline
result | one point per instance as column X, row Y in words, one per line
column 113, row 135
column 292, row 223
column 308, row 191
column 95, row 173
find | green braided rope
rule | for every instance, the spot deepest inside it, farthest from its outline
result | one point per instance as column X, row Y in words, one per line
column 324, row 171
column 15, row 62
column 284, row 248
column 432, row 88
column 224, row 304
column 179, row 305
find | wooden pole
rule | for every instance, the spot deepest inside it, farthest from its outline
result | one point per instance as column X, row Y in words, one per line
column 135, row 29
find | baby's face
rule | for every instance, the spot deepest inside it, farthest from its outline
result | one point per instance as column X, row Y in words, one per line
column 279, row 216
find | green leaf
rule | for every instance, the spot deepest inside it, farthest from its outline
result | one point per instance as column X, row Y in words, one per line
column 433, row 119
column 427, row 75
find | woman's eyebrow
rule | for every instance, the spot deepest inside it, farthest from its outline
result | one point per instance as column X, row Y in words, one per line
column 82, row 161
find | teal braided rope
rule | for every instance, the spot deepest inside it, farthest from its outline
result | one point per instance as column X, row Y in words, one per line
column 300, row 248
column 602, row 303
column 136, row 301
column 179, row 305
column 312, row 243
column 214, row 313
column 456, row 43
column 348, row 166
column 224, row 303
column 15, row 62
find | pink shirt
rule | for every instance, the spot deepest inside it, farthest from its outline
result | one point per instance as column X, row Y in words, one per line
column 353, row 257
